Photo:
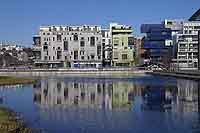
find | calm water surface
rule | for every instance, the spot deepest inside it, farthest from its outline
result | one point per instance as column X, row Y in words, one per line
column 139, row 104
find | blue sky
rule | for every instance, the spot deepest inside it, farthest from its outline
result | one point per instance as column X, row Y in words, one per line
column 20, row 19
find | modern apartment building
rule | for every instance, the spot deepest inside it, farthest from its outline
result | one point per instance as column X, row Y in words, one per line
column 187, row 44
column 156, row 42
column 160, row 40
column 69, row 46
column 122, row 52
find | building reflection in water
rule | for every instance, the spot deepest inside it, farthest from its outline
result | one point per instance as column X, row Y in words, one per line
column 187, row 99
column 108, row 95
column 55, row 97
column 158, row 97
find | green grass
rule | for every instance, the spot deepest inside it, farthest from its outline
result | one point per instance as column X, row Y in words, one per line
column 10, row 123
column 8, row 120
column 8, row 80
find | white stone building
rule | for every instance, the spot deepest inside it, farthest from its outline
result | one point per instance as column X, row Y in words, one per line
column 69, row 46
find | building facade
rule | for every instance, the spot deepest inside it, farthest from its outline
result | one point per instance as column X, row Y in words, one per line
column 107, row 47
column 160, row 41
column 187, row 45
column 122, row 52
column 139, row 52
column 157, row 42
column 199, row 50
column 83, row 46
column 69, row 46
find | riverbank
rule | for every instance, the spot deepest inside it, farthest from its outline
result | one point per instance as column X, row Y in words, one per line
column 11, row 122
column 92, row 71
column 10, row 80
column 178, row 74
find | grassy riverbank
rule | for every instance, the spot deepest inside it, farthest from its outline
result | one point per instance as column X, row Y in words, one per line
column 10, row 122
column 8, row 80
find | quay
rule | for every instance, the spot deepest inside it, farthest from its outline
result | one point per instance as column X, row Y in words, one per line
column 195, row 74
column 72, row 71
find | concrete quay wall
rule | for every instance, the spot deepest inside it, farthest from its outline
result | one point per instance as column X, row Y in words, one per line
column 51, row 72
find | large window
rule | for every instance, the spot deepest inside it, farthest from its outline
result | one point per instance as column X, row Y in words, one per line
column 75, row 37
column 45, row 47
column 98, row 50
column 92, row 41
column 82, row 43
column 115, row 55
column 66, row 45
column 75, row 55
column 92, row 57
column 59, row 55
column 124, row 56
column 59, row 38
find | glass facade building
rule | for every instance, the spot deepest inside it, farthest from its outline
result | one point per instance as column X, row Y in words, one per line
column 157, row 42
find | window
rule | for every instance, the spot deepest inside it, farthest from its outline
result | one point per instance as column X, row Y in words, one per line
column 92, row 41
column 82, row 57
column 45, row 58
column 75, row 55
column 44, row 33
column 124, row 56
column 103, row 33
column 75, row 37
column 82, row 43
column 59, row 38
column 115, row 55
column 45, row 48
column 98, row 50
column 92, row 57
column 53, row 38
column 59, row 55
column 82, row 52
column 66, row 45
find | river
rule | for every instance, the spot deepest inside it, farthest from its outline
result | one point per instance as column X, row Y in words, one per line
column 139, row 104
